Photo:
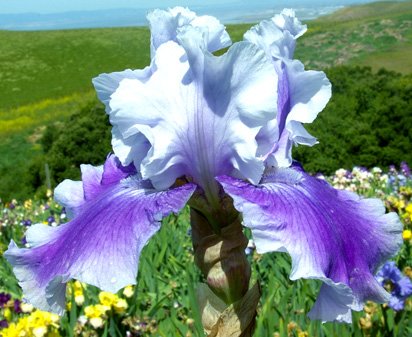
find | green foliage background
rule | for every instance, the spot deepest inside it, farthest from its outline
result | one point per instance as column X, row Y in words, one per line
column 366, row 123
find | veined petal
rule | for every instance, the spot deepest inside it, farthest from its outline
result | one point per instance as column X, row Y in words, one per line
column 301, row 94
column 106, row 84
column 201, row 116
column 73, row 194
column 101, row 245
column 309, row 92
column 165, row 26
column 133, row 147
column 331, row 235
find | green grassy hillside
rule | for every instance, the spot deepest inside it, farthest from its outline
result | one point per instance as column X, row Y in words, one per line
column 46, row 76
column 48, row 64
column 377, row 35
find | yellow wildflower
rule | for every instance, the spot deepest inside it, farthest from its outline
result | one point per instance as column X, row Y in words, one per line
column 28, row 204
column 96, row 322
column 79, row 298
column 408, row 271
column 7, row 314
column 120, row 306
column 407, row 234
column 39, row 331
column 128, row 291
column 42, row 318
column 95, row 311
column 11, row 331
column 37, row 324
column 107, row 298
column 400, row 204
column 26, row 307
column 95, row 314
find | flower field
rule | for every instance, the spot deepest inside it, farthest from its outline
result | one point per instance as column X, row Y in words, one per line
column 164, row 302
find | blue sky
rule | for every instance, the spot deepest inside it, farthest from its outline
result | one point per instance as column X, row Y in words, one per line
column 53, row 6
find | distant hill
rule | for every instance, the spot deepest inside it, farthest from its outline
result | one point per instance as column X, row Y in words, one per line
column 375, row 10
column 376, row 35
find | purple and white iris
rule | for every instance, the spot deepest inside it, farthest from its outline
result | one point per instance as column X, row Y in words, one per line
column 195, row 127
column 400, row 286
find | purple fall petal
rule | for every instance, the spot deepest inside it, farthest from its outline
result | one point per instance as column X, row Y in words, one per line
column 101, row 245
column 331, row 235
column 73, row 194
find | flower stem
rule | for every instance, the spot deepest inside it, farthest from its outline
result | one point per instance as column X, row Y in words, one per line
column 221, row 258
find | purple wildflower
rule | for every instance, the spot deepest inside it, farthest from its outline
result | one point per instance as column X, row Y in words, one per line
column 4, row 323
column 26, row 222
column 51, row 219
column 16, row 306
column 405, row 169
column 392, row 169
column 4, row 298
column 400, row 286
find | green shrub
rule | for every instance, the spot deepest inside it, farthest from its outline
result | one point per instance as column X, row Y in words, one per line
column 366, row 123
column 83, row 138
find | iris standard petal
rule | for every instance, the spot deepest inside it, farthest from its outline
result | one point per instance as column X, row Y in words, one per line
column 106, row 84
column 287, row 21
column 133, row 147
column 278, row 35
column 309, row 92
column 100, row 246
column 166, row 24
column 201, row 116
column 301, row 94
column 331, row 235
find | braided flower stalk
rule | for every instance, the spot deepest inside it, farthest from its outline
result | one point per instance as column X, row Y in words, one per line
column 216, row 133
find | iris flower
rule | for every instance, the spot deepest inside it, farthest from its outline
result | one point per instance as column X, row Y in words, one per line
column 400, row 286
column 202, row 129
